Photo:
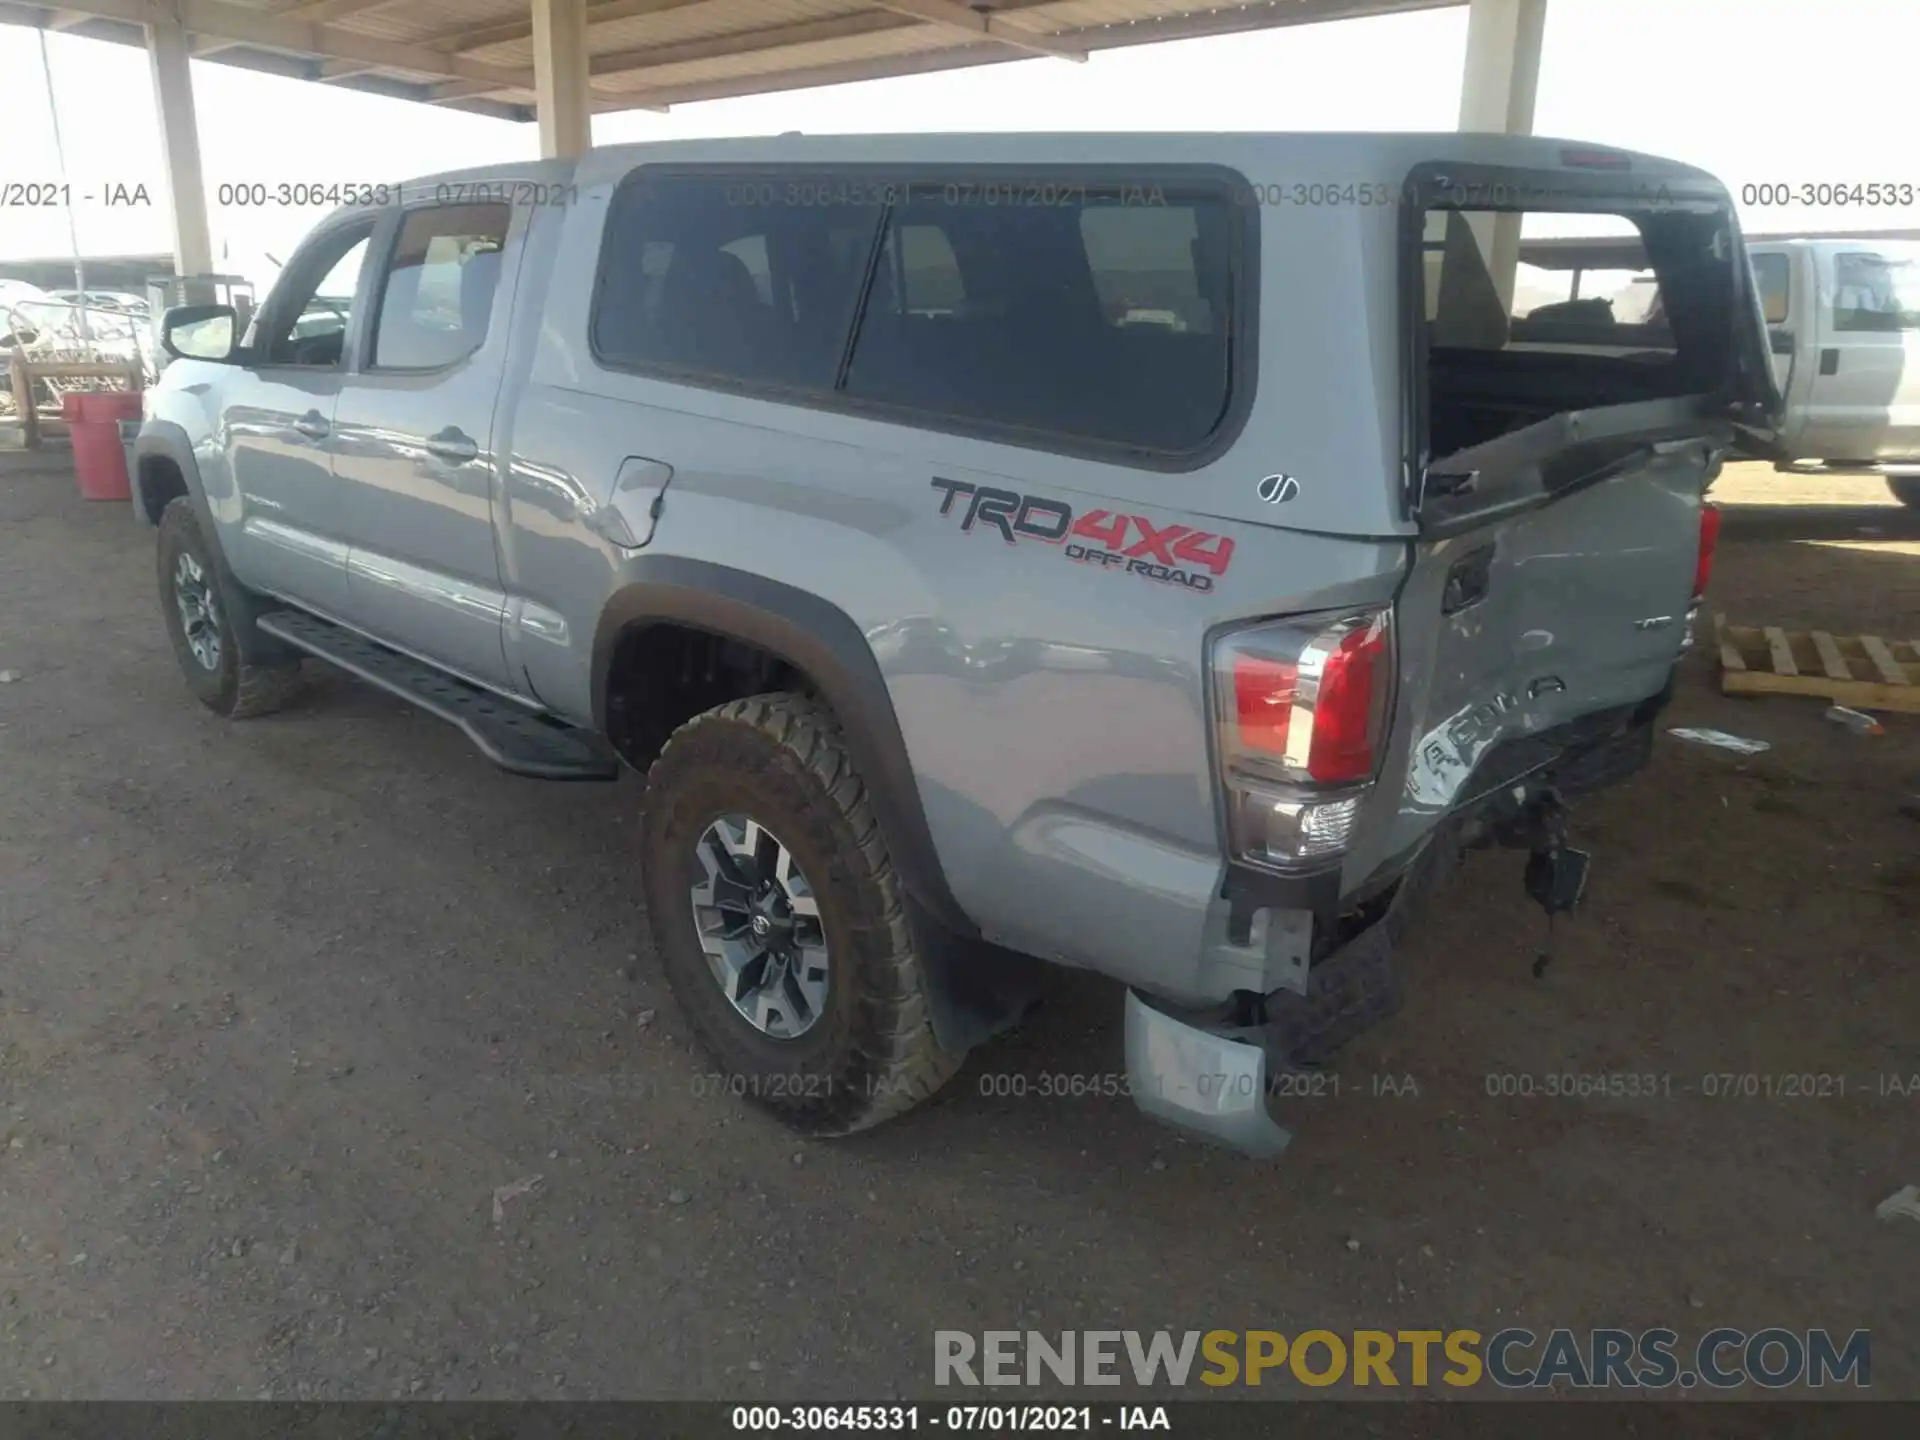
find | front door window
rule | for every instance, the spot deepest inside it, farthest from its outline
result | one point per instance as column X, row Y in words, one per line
column 309, row 329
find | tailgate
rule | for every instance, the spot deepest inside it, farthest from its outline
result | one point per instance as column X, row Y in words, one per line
column 1560, row 442
column 1520, row 624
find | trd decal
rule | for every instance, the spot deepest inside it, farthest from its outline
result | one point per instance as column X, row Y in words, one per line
column 1132, row 544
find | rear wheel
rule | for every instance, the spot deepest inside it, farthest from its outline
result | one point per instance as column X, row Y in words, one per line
column 781, row 922
column 217, row 649
column 1906, row 489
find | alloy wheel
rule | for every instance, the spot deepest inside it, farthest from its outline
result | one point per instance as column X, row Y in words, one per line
column 199, row 610
column 759, row 927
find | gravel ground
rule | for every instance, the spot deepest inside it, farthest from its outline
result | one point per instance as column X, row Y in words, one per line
column 293, row 1014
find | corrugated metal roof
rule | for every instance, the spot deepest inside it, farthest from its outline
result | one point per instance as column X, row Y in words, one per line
column 707, row 20
column 417, row 21
column 900, row 40
column 478, row 54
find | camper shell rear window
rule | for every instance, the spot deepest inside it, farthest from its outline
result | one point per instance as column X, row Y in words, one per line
column 1615, row 299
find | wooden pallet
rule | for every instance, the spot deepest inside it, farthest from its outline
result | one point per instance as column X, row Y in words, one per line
column 1862, row 671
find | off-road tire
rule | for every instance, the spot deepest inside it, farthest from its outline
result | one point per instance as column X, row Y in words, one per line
column 1906, row 489
column 872, row 1054
column 245, row 683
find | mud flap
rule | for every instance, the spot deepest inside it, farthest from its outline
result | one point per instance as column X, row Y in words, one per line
column 975, row 990
column 1358, row 986
column 1348, row 993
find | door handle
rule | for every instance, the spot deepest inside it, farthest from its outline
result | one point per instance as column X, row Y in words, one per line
column 1830, row 361
column 453, row 446
column 313, row 425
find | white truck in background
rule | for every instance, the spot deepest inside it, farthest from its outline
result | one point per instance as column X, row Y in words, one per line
column 1843, row 319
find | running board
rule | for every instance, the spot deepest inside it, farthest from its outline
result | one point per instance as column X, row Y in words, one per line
column 516, row 740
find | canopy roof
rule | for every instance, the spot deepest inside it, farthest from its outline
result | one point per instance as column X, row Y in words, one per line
column 651, row 54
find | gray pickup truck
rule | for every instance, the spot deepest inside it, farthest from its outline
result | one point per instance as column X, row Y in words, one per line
column 1158, row 555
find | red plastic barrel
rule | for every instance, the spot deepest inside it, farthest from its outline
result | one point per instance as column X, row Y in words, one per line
column 99, row 458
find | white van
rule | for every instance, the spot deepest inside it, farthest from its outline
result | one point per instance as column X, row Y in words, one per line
column 1843, row 316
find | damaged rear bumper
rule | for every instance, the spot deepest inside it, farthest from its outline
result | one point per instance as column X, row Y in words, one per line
column 1202, row 1072
column 1210, row 1085
column 1212, row 1079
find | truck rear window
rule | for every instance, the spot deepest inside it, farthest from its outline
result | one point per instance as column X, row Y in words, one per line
column 1061, row 311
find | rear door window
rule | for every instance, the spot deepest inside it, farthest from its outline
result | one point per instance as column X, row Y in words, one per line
column 1090, row 316
column 436, row 299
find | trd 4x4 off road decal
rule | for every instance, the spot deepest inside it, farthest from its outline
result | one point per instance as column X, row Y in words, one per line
column 1133, row 544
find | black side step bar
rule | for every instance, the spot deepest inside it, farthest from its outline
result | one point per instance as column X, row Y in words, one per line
column 514, row 739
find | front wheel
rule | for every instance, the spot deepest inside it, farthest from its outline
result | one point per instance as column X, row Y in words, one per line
column 215, row 646
column 1906, row 489
column 780, row 921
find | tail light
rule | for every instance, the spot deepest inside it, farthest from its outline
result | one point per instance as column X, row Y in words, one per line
column 1709, row 541
column 1302, row 710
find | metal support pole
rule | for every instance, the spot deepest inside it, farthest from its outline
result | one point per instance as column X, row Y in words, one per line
column 561, row 77
column 1497, row 95
column 73, row 227
column 168, row 50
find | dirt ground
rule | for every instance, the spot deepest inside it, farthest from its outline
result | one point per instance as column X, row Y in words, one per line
column 283, row 1005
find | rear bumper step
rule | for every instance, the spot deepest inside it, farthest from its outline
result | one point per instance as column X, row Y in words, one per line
column 514, row 739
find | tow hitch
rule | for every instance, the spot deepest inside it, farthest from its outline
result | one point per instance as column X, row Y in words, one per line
column 1556, row 875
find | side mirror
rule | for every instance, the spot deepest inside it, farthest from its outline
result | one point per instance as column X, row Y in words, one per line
column 200, row 332
column 1782, row 341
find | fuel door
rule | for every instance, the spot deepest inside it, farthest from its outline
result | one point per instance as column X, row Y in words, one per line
column 633, row 509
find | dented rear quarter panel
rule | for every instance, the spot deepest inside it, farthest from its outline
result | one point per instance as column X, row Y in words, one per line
column 1054, row 710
